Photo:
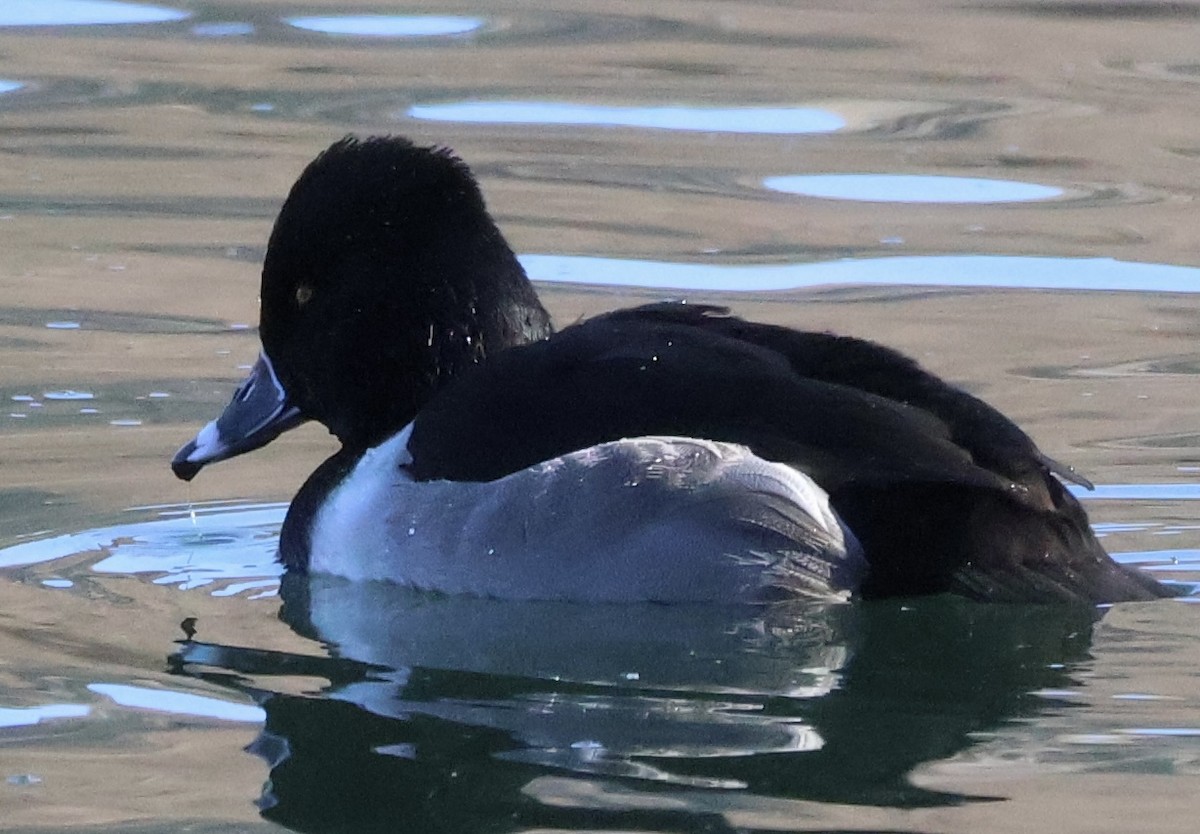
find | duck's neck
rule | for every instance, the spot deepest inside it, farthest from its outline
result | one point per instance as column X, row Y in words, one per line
column 295, row 537
column 503, row 313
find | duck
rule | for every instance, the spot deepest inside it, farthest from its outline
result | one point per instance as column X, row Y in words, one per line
column 666, row 453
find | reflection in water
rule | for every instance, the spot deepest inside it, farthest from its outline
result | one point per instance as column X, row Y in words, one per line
column 1103, row 10
column 463, row 714
column 176, row 703
column 713, row 119
column 1170, row 365
column 1158, row 70
column 1139, row 492
column 143, row 323
column 909, row 188
column 9, row 86
column 222, row 30
column 1187, row 561
column 30, row 716
column 125, row 404
column 190, row 547
column 82, row 13
column 440, row 712
column 1009, row 271
column 388, row 26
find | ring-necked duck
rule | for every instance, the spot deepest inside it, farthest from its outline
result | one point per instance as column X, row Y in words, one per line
column 669, row 452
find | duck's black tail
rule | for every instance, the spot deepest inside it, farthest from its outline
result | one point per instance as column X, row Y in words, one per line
column 930, row 538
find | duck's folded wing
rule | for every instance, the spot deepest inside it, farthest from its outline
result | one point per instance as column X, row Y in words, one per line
column 992, row 440
column 611, row 378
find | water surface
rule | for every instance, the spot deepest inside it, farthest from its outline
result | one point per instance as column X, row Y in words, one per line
column 630, row 153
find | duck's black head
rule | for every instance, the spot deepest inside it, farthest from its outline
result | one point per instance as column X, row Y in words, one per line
column 384, row 277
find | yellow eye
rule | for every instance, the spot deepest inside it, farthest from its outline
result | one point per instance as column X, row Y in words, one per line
column 303, row 294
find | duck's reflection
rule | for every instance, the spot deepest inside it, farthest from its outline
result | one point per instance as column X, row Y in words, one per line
column 441, row 711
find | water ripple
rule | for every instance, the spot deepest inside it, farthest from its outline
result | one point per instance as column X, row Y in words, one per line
column 1187, row 441
column 1139, row 492
column 1008, row 271
column 388, row 26
column 208, row 545
column 911, row 188
column 83, row 13
column 174, row 702
column 770, row 120
column 1158, row 366
column 110, row 322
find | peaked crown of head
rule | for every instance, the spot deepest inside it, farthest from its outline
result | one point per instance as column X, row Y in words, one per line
column 384, row 277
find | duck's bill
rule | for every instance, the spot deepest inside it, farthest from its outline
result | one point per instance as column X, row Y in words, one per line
column 258, row 413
